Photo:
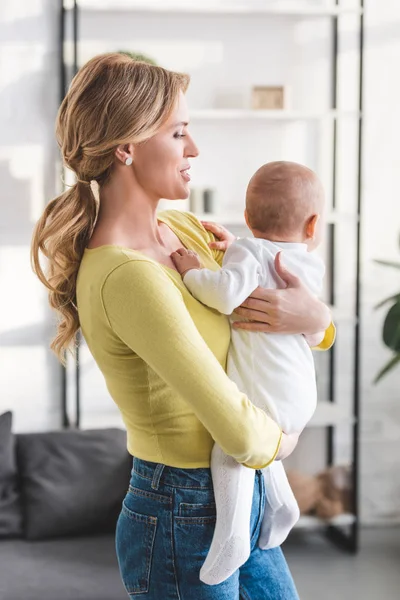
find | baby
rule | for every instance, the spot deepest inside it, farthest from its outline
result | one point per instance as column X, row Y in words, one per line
column 284, row 210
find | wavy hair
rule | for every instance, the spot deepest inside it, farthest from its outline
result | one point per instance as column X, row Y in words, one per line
column 112, row 100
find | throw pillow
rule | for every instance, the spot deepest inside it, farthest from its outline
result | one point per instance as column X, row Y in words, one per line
column 73, row 482
column 10, row 505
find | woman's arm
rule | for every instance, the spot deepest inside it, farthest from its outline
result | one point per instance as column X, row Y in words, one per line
column 290, row 310
column 147, row 312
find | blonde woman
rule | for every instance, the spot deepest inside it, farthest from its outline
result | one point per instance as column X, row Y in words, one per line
column 123, row 129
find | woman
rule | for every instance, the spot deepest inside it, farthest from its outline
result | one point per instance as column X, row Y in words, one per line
column 123, row 130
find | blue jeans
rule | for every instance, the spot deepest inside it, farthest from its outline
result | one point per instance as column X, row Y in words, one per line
column 164, row 532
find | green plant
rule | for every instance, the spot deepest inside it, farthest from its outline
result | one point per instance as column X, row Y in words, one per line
column 391, row 326
column 138, row 56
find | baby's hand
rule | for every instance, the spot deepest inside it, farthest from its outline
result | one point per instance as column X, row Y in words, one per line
column 185, row 260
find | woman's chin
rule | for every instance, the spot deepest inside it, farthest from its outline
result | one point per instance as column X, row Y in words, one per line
column 182, row 194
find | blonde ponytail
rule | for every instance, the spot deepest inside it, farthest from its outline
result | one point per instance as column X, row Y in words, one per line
column 61, row 234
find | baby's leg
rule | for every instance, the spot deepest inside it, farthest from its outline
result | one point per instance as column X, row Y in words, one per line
column 233, row 490
column 281, row 508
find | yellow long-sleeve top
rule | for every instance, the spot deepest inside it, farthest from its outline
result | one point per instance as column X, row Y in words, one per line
column 163, row 354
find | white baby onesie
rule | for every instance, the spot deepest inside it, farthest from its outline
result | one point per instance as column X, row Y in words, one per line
column 277, row 373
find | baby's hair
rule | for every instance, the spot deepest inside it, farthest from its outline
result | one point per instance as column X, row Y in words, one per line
column 281, row 196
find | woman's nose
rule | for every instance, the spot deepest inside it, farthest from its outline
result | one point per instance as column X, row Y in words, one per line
column 191, row 149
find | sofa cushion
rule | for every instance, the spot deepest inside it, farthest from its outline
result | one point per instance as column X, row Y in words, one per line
column 10, row 505
column 73, row 482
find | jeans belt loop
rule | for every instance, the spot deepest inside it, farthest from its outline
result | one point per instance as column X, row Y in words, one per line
column 158, row 471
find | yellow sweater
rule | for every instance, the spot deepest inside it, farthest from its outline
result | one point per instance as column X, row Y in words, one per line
column 163, row 353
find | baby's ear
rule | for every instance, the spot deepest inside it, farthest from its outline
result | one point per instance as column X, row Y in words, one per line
column 311, row 226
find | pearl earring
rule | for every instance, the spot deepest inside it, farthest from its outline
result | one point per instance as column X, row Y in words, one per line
column 129, row 161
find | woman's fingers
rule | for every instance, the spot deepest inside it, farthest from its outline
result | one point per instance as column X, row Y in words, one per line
column 262, row 295
column 262, row 327
column 213, row 227
column 225, row 237
column 287, row 276
column 218, row 245
column 263, row 307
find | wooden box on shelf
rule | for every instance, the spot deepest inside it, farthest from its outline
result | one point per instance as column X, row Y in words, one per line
column 268, row 97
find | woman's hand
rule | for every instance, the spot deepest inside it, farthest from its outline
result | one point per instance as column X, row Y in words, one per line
column 225, row 237
column 291, row 310
column 288, row 444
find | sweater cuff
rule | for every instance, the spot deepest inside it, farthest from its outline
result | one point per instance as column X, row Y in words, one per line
column 329, row 339
column 273, row 457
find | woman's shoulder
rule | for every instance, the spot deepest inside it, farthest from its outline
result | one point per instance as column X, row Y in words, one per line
column 186, row 222
column 115, row 265
column 190, row 227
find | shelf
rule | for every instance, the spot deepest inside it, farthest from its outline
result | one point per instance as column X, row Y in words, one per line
column 330, row 414
column 228, row 114
column 213, row 8
column 311, row 522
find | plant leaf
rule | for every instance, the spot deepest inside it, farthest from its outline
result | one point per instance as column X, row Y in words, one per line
column 391, row 328
column 394, row 298
column 388, row 263
column 388, row 367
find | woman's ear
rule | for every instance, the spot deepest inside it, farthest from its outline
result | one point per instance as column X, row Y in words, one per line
column 124, row 152
column 311, row 227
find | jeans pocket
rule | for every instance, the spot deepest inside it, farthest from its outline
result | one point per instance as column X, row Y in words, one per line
column 199, row 511
column 192, row 541
column 135, row 537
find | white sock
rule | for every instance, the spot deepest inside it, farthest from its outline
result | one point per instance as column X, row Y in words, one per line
column 233, row 490
column 281, row 508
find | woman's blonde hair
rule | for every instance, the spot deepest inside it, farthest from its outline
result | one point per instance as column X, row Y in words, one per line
column 112, row 100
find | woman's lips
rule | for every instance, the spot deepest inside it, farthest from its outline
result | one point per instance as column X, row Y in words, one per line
column 185, row 175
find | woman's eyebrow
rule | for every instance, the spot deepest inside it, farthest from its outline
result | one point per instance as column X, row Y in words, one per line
column 184, row 123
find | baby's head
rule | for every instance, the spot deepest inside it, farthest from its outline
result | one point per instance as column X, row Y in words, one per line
column 285, row 203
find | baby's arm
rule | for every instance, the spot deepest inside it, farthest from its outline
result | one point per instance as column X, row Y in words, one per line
column 228, row 287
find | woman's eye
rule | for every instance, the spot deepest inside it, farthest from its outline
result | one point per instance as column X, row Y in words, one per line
column 179, row 135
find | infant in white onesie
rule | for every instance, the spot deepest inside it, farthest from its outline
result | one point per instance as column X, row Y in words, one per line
column 284, row 210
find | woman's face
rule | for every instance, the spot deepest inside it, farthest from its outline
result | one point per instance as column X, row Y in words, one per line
column 161, row 164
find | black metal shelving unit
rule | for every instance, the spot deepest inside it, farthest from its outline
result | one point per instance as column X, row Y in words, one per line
column 349, row 539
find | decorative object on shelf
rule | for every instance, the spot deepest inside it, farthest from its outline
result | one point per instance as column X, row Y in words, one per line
column 391, row 326
column 209, row 200
column 138, row 56
column 268, row 97
column 196, row 204
column 202, row 200
column 306, row 489
column 325, row 495
column 336, row 492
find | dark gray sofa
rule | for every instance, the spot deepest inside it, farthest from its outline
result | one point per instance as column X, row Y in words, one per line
column 60, row 496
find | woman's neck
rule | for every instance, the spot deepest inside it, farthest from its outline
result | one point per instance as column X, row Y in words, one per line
column 127, row 216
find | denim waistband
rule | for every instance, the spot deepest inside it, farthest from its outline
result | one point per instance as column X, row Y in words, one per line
column 160, row 474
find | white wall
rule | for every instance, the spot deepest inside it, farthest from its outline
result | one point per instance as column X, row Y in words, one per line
column 224, row 63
